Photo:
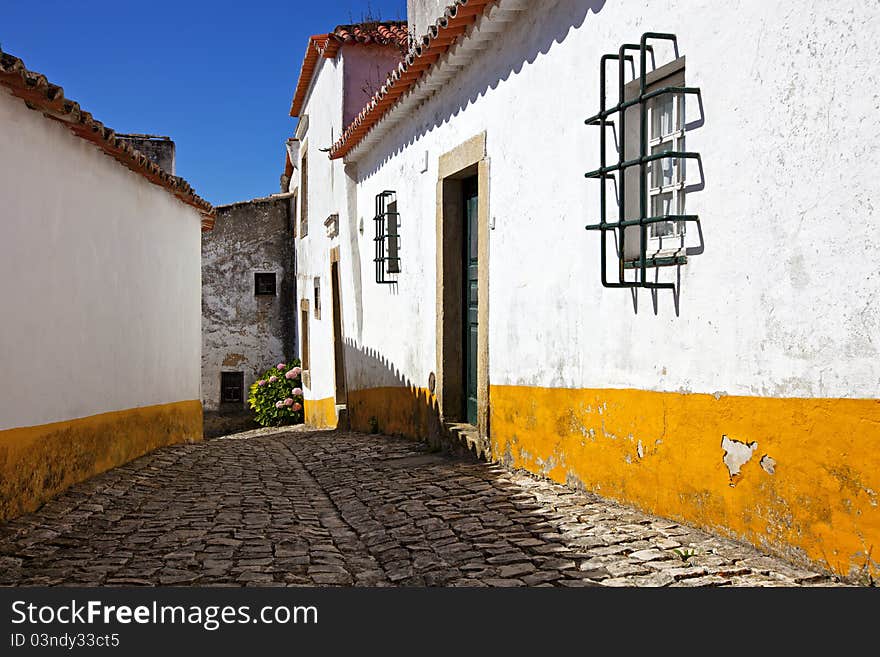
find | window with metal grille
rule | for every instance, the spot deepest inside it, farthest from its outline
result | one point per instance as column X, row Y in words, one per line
column 387, row 240
column 305, row 351
column 231, row 387
column 317, row 297
column 264, row 284
column 304, row 193
column 649, row 176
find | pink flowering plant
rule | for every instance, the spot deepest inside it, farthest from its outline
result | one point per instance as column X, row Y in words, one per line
column 276, row 397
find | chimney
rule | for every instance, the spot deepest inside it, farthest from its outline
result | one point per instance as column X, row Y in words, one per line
column 157, row 148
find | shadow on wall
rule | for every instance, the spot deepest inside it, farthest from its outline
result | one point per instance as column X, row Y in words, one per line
column 353, row 227
column 556, row 23
column 382, row 400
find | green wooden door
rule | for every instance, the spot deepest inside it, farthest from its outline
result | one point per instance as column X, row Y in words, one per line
column 470, row 314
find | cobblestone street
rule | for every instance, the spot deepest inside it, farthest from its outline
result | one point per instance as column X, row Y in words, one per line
column 323, row 508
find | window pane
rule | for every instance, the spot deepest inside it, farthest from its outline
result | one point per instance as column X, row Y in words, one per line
column 661, row 205
column 663, row 111
column 681, row 164
column 662, row 171
column 679, row 112
column 393, row 239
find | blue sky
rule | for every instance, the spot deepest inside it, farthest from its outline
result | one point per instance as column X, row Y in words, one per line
column 217, row 77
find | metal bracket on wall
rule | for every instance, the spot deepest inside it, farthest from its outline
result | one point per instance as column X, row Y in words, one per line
column 607, row 172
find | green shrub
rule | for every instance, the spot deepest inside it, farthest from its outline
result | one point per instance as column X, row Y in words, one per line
column 276, row 397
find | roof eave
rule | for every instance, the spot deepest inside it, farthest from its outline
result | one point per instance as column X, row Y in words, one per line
column 327, row 45
column 454, row 36
column 41, row 95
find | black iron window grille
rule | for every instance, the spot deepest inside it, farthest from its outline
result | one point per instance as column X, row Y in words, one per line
column 660, row 167
column 264, row 284
column 231, row 387
column 387, row 240
column 317, row 282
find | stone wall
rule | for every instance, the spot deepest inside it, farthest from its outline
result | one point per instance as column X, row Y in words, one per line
column 159, row 149
column 242, row 331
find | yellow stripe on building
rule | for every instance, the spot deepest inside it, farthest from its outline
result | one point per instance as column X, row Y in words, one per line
column 320, row 413
column 394, row 410
column 802, row 476
column 40, row 461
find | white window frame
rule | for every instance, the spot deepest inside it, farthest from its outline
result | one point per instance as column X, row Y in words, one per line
column 675, row 140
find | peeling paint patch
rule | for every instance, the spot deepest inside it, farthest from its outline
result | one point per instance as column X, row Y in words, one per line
column 640, row 450
column 736, row 455
column 769, row 464
column 232, row 360
column 572, row 480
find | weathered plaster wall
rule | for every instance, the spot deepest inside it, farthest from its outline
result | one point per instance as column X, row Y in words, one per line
column 100, row 282
column 778, row 308
column 243, row 332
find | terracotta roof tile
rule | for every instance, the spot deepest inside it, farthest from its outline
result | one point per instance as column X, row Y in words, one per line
column 43, row 96
column 379, row 33
column 440, row 37
column 327, row 45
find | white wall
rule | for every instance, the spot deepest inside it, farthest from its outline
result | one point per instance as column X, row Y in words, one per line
column 332, row 190
column 784, row 301
column 422, row 13
column 99, row 280
column 327, row 194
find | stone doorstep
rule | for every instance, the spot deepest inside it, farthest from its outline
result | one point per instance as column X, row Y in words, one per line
column 458, row 437
column 343, row 421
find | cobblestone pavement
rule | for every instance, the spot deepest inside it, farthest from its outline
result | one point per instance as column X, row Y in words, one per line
column 323, row 508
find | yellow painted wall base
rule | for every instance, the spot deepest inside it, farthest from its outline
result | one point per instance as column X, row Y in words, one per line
column 39, row 462
column 401, row 411
column 320, row 413
column 810, row 491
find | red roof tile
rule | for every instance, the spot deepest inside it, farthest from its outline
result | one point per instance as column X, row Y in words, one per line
column 327, row 45
column 441, row 36
column 383, row 34
column 48, row 98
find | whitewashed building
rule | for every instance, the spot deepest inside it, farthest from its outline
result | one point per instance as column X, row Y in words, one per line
column 708, row 349
column 341, row 71
column 100, row 347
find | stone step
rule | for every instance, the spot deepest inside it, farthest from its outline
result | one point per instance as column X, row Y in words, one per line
column 343, row 422
column 465, row 438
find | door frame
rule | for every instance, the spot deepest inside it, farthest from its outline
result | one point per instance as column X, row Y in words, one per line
column 465, row 160
column 339, row 374
column 470, row 229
